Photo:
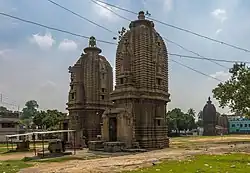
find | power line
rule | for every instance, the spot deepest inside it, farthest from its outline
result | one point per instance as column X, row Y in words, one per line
column 95, row 1
column 182, row 47
column 197, row 71
column 90, row 21
column 111, row 10
column 212, row 59
column 107, row 42
column 195, row 53
column 115, row 6
column 52, row 28
column 179, row 28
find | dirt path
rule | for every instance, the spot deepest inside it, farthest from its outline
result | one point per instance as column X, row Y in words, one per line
column 15, row 156
column 121, row 163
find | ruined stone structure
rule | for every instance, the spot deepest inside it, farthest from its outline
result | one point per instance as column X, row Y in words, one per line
column 209, row 119
column 222, row 122
column 90, row 86
column 138, row 116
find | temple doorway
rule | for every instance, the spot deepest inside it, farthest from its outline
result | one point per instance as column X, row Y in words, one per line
column 112, row 129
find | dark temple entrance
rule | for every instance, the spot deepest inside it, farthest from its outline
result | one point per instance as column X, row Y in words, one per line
column 112, row 129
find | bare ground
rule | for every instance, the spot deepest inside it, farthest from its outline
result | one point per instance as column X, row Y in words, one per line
column 129, row 162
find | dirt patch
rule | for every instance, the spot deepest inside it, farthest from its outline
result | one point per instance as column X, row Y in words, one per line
column 128, row 162
column 15, row 156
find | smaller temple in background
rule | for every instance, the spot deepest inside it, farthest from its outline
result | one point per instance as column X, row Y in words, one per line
column 209, row 119
column 222, row 125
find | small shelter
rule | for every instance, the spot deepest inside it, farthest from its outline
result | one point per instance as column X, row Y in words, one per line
column 24, row 144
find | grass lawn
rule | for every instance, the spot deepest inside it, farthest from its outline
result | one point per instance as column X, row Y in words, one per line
column 231, row 163
column 12, row 166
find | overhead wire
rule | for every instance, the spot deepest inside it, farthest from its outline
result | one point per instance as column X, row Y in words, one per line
column 212, row 59
column 112, row 43
column 195, row 53
column 53, row 28
column 201, row 57
column 82, row 17
column 178, row 28
column 110, row 10
column 168, row 40
column 197, row 71
column 56, row 29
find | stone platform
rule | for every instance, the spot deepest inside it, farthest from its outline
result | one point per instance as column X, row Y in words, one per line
column 95, row 145
column 114, row 146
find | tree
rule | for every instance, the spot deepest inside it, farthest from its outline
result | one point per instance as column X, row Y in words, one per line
column 191, row 112
column 39, row 119
column 178, row 120
column 3, row 109
column 235, row 92
column 30, row 110
column 49, row 119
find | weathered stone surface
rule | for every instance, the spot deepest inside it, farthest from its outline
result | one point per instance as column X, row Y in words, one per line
column 95, row 145
column 90, row 86
column 209, row 119
column 113, row 146
column 141, row 91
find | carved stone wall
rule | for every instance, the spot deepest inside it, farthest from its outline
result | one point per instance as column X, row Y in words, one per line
column 142, row 82
column 89, row 94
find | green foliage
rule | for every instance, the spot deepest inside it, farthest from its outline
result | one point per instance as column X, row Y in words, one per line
column 3, row 109
column 237, row 163
column 30, row 110
column 178, row 120
column 235, row 92
column 49, row 119
column 13, row 166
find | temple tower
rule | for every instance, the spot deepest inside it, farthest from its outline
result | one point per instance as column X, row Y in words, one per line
column 89, row 95
column 141, row 91
column 209, row 119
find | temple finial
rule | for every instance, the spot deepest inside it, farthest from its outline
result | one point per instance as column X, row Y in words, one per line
column 92, row 41
column 209, row 100
column 141, row 15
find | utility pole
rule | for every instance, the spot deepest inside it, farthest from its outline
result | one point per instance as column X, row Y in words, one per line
column 1, row 97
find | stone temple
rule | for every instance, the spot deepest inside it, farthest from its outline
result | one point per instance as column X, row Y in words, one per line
column 209, row 119
column 136, row 116
column 90, row 87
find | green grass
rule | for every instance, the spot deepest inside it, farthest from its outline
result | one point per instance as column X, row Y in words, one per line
column 13, row 166
column 232, row 163
column 59, row 159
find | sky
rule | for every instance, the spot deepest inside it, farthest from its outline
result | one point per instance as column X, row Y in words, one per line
column 34, row 61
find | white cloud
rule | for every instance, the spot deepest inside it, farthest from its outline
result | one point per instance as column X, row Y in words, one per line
column 168, row 4
column 43, row 41
column 4, row 54
column 4, row 51
column 102, row 10
column 221, row 75
column 220, row 14
column 67, row 45
column 218, row 31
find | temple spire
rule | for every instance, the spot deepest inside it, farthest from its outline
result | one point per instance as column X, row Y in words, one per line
column 141, row 15
column 209, row 100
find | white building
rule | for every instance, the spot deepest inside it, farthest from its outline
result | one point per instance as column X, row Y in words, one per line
column 8, row 124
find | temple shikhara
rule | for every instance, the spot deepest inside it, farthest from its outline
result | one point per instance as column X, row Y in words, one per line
column 133, row 115
column 209, row 119
column 89, row 95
